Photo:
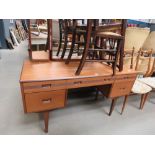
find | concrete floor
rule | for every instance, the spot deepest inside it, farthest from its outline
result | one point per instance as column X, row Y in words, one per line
column 82, row 115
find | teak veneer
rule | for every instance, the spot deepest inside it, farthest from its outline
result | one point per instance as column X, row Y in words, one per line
column 44, row 85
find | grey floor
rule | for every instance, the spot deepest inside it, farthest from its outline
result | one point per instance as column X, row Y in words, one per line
column 83, row 115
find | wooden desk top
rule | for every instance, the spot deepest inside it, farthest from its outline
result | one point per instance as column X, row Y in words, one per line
column 54, row 70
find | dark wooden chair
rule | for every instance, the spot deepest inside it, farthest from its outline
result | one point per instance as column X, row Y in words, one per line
column 61, row 35
column 70, row 36
column 77, row 32
column 65, row 29
column 114, row 50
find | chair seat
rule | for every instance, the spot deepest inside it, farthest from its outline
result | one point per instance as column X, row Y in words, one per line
column 150, row 81
column 140, row 88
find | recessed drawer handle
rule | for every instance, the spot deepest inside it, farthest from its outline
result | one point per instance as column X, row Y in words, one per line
column 46, row 85
column 122, row 88
column 78, row 82
column 46, row 101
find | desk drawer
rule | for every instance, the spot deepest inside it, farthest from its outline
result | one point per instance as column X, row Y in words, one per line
column 86, row 82
column 31, row 87
column 42, row 101
column 121, row 88
column 44, row 86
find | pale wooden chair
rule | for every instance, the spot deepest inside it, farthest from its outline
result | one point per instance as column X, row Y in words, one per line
column 150, row 81
column 144, row 65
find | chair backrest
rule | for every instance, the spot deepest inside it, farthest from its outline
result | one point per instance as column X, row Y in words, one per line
column 150, row 42
column 144, row 64
column 129, row 62
column 116, row 27
column 135, row 37
column 152, row 70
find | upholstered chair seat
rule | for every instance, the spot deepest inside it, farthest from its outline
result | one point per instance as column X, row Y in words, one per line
column 140, row 87
column 150, row 81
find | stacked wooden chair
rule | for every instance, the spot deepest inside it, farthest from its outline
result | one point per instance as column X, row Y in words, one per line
column 77, row 33
column 101, row 46
column 110, row 53
column 64, row 35
column 70, row 36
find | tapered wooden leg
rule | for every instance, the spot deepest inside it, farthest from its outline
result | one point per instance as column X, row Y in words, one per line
column 116, row 56
column 112, row 106
column 144, row 101
column 124, row 103
column 46, row 118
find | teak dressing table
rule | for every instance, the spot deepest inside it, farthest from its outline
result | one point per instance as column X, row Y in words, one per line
column 44, row 85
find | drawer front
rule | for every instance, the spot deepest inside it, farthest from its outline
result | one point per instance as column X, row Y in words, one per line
column 86, row 82
column 42, row 101
column 126, row 77
column 44, row 86
column 121, row 88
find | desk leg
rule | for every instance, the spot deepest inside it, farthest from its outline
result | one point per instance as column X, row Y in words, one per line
column 112, row 106
column 124, row 103
column 46, row 118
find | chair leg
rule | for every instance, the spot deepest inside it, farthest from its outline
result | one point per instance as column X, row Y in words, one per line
column 65, row 46
column 141, row 102
column 144, row 100
column 121, row 57
column 79, row 36
column 112, row 106
column 72, row 48
column 85, row 52
column 124, row 103
column 116, row 57
column 60, row 43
